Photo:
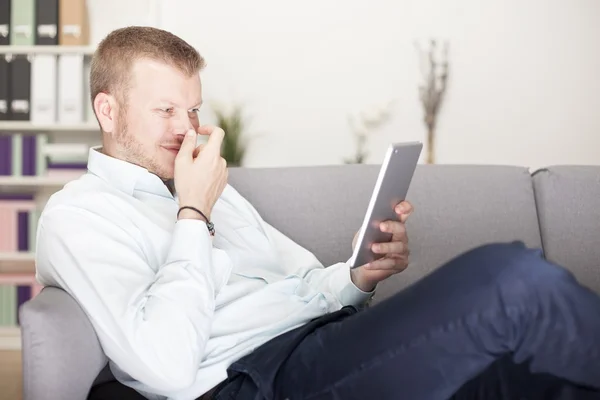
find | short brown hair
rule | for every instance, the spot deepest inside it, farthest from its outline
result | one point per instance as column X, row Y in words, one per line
column 112, row 61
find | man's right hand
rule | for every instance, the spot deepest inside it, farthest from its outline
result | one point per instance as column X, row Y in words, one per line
column 200, row 173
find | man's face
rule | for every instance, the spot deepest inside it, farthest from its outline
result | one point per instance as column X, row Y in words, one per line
column 161, row 105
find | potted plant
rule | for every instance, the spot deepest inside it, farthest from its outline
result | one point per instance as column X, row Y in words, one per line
column 367, row 122
column 432, row 90
column 235, row 142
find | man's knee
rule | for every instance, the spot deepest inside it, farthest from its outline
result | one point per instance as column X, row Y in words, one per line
column 503, row 257
column 516, row 259
column 494, row 249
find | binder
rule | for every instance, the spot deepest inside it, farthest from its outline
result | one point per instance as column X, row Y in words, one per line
column 41, row 164
column 70, row 88
column 22, row 13
column 8, row 304
column 17, row 154
column 34, row 217
column 20, row 88
column 4, row 22
column 8, row 224
column 29, row 152
column 46, row 20
column 33, row 161
column 44, row 95
column 6, row 155
column 4, row 87
column 73, row 23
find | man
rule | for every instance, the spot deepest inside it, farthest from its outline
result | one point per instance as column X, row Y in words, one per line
column 193, row 295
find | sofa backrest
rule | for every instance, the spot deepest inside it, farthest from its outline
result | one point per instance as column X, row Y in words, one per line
column 568, row 202
column 456, row 208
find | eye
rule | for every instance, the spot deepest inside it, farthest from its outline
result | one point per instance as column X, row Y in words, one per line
column 167, row 110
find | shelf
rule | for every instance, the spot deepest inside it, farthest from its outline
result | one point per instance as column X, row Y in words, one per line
column 10, row 338
column 13, row 49
column 17, row 263
column 27, row 126
column 32, row 184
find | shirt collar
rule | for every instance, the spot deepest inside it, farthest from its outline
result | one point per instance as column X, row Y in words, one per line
column 123, row 175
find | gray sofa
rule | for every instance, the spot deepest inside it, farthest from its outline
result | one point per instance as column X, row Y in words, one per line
column 456, row 208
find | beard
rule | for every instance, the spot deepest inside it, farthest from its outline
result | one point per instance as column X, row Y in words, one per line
column 134, row 151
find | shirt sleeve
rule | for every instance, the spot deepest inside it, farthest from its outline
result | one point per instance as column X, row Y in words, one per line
column 335, row 279
column 153, row 324
column 295, row 259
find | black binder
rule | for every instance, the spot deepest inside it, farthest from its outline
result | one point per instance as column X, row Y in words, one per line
column 4, row 88
column 46, row 20
column 20, row 87
column 5, row 22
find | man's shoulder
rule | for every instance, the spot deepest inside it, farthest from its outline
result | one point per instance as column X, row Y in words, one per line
column 87, row 193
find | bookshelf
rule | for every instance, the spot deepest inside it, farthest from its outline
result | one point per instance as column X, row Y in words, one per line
column 32, row 184
column 10, row 338
column 34, row 172
column 8, row 127
column 18, row 262
column 49, row 49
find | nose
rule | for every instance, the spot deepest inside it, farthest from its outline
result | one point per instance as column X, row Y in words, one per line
column 182, row 124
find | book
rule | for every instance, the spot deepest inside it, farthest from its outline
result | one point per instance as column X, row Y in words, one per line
column 5, row 23
column 22, row 25
column 15, row 213
column 46, row 21
column 18, row 219
column 6, row 150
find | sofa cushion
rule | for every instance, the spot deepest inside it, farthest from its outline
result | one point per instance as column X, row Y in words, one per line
column 568, row 199
column 456, row 208
column 61, row 353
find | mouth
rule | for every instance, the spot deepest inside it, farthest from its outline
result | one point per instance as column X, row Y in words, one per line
column 172, row 149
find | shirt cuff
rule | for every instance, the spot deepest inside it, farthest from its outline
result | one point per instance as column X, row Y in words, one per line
column 192, row 242
column 348, row 293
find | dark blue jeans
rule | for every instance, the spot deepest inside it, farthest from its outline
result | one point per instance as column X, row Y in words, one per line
column 498, row 322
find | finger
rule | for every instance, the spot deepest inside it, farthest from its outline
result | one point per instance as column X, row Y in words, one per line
column 404, row 209
column 402, row 255
column 187, row 145
column 215, row 139
column 389, row 264
column 382, row 264
column 397, row 228
column 205, row 130
column 198, row 149
column 389, row 248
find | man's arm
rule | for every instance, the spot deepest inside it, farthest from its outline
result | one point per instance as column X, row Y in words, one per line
column 295, row 259
column 335, row 279
column 153, row 325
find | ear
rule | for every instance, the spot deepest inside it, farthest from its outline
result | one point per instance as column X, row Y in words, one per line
column 106, row 109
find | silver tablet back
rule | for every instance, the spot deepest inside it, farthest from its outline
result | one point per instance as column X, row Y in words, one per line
column 391, row 188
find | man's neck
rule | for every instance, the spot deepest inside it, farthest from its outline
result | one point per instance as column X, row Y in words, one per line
column 170, row 184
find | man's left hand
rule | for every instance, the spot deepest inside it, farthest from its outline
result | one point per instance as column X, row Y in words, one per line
column 396, row 252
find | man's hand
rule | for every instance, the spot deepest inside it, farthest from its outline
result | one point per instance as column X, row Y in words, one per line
column 396, row 252
column 200, row 172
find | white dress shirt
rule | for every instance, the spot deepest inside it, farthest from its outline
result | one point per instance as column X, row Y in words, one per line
column 172, row 306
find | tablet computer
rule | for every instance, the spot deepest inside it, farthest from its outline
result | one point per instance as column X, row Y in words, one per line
column 391, row 188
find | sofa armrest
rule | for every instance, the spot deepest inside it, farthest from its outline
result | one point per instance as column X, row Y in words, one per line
column 61, row 353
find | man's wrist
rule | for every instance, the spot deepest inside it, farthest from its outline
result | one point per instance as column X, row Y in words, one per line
column 189, row 210
column 366, row 287
column 187, row 213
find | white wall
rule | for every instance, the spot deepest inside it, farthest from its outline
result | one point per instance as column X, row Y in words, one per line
column 524, row 85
